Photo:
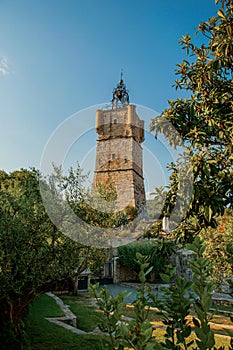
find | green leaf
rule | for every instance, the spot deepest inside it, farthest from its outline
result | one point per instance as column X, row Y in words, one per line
column 169, row 331
column 169, row 344
column 206, row 169
column 165, row 278
column 148, row 333
column 124, row 329
column 210, row 341
column 229, row 332
column 179, row 337
column 200, row 333
column 217, row 64
column 191, row 246
column 187, row 331
column 192, row 111
column 196, row 322
column 149, row 270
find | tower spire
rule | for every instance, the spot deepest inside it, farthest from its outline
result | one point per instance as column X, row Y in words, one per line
column 120, row 94
column 121, row 75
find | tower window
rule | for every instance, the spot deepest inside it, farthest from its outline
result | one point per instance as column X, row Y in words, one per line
column 115, row 121
column 113, row 156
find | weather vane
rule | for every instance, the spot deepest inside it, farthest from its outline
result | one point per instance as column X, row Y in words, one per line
column 120, row 94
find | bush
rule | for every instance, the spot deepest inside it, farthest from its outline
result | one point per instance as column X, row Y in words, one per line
column 157, row 253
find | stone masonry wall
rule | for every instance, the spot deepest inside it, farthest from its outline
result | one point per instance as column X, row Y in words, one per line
column 119, row 154
column 129, row 187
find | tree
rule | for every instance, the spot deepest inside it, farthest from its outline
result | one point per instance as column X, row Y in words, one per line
column 94, row 206
column 155, row 205
column 218, row 243
column 34, row 256
column 205, row 119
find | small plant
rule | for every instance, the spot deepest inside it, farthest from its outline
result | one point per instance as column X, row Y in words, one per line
column 138, row 333
column 203, row 289
column 112, row 308
column 175, row 308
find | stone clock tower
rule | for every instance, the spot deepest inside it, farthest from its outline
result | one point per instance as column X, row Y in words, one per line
column 119, row 151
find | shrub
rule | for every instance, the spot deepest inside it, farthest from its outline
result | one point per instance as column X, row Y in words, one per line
column 157, row 252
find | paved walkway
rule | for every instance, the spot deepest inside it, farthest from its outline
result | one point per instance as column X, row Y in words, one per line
column 132, row 288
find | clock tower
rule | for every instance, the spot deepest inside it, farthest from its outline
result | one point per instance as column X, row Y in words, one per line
column 119, row 150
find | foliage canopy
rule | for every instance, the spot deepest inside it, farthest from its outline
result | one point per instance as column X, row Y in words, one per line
column 205, row 119
column 34, row 256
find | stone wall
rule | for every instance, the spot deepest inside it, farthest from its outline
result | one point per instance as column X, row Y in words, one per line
column 129, row 187
column 124, row 274
column 120, row 122
column 119, row 154
column 180, row 259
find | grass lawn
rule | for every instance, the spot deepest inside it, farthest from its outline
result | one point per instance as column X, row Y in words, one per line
column 47, row 336
column 88, row 317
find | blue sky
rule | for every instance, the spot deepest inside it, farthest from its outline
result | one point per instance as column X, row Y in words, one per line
column 58, row 57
